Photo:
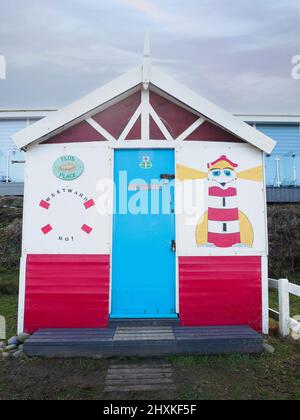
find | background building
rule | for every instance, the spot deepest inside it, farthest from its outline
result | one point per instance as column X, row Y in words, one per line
column 11, row 159
column 282, row 167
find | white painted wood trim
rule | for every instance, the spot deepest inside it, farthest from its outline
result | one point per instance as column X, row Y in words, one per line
column 26, row 114
column 191, row 129
column 212, row 112
column 145, row 115
column 130, row 125
column 100, row 129
column 112, row 169
column 143, row 144
column 146, row 69
column 284, row 308
column 160, row 124
column 265, row 295
column 22, row 291
column 67, row 116
column 286, row 323
column 265, row 202
column 23, row 260
column 295, row 326
column 177, row 236
column 73, row 112
column 275, row 119
column 294, row 289
column 265, row 265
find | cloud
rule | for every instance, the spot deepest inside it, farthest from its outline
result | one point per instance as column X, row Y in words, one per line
column 147, row 8
column 227, row 51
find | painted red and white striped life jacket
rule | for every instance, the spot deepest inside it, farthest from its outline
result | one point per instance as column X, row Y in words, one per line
column 223, row 217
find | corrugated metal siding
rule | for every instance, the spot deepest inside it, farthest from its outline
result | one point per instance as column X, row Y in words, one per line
column 283, row 195
column 288, row 138
column 217, row 291
column 7, row 129
column 67, row 291
column 11, row 188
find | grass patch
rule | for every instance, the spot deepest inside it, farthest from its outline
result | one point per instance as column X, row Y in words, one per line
column 9, row 299
column 242, row 377
column 231, row 377
column 294, row 303
column 9, row 282
column 9, row 309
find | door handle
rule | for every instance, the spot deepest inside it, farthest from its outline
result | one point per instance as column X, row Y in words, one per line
column 173, row 246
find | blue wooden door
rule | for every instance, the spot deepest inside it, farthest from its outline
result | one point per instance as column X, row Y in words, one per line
column 143, row 263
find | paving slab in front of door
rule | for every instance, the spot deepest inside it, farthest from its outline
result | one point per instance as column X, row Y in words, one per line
column 139, row 378
column 143, row 334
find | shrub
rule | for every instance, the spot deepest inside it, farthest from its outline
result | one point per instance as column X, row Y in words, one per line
column 284, row 240
column 10, row 244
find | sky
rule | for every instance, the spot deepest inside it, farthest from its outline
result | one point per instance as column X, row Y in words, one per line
column 237, row 53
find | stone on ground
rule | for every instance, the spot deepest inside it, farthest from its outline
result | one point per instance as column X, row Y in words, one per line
column 23, row 337
column 18, row 354
column 268, row 348
column 13, row 341
column 10, row 348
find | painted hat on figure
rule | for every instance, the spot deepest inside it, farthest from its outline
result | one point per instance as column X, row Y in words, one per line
column 222, row 163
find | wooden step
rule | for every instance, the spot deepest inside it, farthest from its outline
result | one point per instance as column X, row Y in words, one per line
column 143, row 341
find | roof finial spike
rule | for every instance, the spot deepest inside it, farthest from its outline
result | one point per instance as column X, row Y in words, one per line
column 146, row 61
column 147, row 49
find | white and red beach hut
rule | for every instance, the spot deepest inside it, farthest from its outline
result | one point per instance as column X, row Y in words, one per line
column 143, row 201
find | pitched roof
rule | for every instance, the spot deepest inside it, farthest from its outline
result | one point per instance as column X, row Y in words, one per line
column 138, row 78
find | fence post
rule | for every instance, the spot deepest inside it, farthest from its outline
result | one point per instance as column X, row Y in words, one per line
column 284, row 307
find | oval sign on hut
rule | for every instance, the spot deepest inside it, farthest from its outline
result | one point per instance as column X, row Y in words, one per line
column 68, row 168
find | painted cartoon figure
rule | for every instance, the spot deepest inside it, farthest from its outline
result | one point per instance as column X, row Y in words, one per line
column 223, row 225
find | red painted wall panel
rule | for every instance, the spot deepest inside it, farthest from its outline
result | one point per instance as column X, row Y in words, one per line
column 155, row 132
column 176, row 119
column 217, row 291
column 210, row 132
column 67, row 291
column 136, row 131
column 115, row 118
column 80, row 133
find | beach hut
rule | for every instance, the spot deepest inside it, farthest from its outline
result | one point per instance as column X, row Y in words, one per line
column 144, row 219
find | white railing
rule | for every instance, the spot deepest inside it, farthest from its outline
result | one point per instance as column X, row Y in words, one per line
column 286, row 323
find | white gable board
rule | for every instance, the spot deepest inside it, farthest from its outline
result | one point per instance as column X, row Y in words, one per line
column 84, row 109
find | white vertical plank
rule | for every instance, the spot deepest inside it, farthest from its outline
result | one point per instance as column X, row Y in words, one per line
column 191, row 129
column 22, row 289
column 284, row 308
column 130, row 125
column 265, row 202
column 294, row 289
column 100, row 129
column 145, row 115
column 111, row 237
column 265, row 295
column 146, row 77
column 160, row 124
column 176, row 196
